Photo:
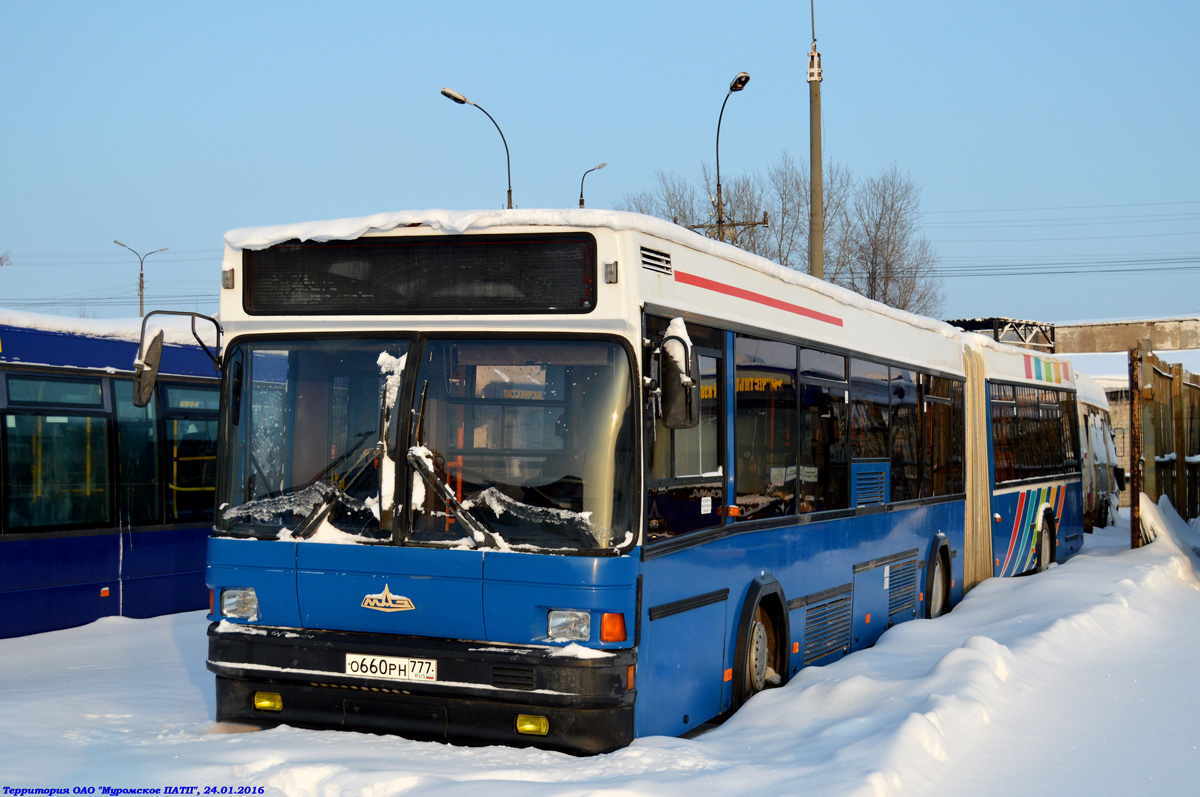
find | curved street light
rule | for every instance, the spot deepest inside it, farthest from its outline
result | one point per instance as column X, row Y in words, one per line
column 461, row 100
column 141, row 274
column 737, row 84
column 581, row 179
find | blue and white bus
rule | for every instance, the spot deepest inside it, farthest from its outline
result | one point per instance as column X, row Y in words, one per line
column 106, row 507
column 568, row 478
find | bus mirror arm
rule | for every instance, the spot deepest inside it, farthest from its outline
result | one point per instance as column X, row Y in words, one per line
column 149, row 356
column 680, row 383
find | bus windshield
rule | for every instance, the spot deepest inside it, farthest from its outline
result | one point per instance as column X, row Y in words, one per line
column 305, row 438
column 508, row 444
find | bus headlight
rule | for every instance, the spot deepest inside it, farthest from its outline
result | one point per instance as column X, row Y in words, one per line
column 241, row 603
column 569, row 625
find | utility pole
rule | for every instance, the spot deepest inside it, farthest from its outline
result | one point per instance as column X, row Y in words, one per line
column 1135, row 447
column 816, row 217
column 141, row 275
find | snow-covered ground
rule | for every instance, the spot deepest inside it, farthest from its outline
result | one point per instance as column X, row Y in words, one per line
column 1081, row 680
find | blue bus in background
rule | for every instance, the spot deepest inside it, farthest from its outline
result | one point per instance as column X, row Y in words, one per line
column 106, row 507
column 569, row 478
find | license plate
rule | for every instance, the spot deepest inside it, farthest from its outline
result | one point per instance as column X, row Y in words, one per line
column 394, row 668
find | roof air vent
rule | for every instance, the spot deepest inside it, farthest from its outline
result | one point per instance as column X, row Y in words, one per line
column 656, row 261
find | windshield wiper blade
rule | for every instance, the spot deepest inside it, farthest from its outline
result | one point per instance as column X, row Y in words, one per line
column 480, row 534
column 313, row 520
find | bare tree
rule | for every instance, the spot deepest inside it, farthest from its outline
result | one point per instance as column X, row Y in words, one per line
column 872, row 240
column 5, row 259
column 888, row 258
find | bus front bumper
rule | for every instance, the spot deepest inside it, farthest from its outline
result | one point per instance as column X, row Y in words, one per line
column 585, row 704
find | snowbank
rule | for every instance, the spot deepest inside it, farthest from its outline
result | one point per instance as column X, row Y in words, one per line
column 1074, row 681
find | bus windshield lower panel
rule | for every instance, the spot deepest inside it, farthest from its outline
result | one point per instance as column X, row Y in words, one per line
column 508, row 444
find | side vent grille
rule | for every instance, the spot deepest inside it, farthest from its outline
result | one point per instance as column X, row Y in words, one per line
column 870, row 487
column 656, row 261
column 827, row 628
column 902, row 590
column 509, row 677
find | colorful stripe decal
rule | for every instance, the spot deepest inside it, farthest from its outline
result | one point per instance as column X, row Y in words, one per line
column 741, row 293
column 1012, row 538
column 1022, row 541
column 1046, row 370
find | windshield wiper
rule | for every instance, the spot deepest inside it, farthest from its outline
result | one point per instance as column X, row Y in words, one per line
column 312, row 522
column 480, row 534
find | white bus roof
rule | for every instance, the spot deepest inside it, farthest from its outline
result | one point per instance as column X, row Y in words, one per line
column 1001, row 357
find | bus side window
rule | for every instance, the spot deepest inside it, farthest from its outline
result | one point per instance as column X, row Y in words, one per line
column 765, row 428
column 57, row 464
column 686, row 475
column 138, row 498
column 823, row 469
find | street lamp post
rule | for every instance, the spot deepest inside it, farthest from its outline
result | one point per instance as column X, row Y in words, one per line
column 581, row 179
column 737, row 84
column 141, row 275
column 461, row 100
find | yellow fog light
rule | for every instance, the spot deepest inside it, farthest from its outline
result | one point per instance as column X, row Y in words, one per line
column 532, row 725
column 268, row 701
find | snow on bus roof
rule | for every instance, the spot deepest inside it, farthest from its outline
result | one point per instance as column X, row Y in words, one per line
column 1090, row 391
column 458, row 222
column 176, row 328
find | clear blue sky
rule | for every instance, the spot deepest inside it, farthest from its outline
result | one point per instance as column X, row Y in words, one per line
column 1040, row 132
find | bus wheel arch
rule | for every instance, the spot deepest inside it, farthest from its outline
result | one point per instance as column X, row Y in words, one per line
column 937, row 580
column 762, row 641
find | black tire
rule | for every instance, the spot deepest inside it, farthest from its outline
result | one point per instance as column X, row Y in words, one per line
column 937, row 597
column 1046, row 542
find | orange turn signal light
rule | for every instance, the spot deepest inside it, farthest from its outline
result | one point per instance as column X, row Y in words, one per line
column 612, row 627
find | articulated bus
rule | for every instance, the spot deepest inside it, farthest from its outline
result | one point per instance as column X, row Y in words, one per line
column 106, row 507
column 569, row 478
column 1103, row 476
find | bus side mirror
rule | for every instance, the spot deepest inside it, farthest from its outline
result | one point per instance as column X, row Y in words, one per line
column 679, row 366
column 146, row 369
column 1119, row 475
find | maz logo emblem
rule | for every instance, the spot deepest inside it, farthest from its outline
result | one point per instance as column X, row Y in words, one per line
column 387, row 602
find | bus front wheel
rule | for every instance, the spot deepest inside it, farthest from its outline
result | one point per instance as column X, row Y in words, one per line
column 762, row 658
column 758, row 657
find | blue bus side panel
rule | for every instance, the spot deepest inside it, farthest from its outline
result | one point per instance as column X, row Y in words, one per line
column 680, row 677
column 163, row 552
column 870, row 606
column 163, row 571
column 1014, row 536
column 53, row 561
column 519, row 590
column 53, row 582
column 33, row 611
column 150, row 596
column 75, row 350
column 268, row 566
column 814, row 564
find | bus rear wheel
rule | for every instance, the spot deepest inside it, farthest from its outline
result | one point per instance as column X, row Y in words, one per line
column 1045, row 550
column 939, row 589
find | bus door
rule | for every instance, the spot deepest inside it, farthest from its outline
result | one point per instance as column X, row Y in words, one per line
column 685, row 600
